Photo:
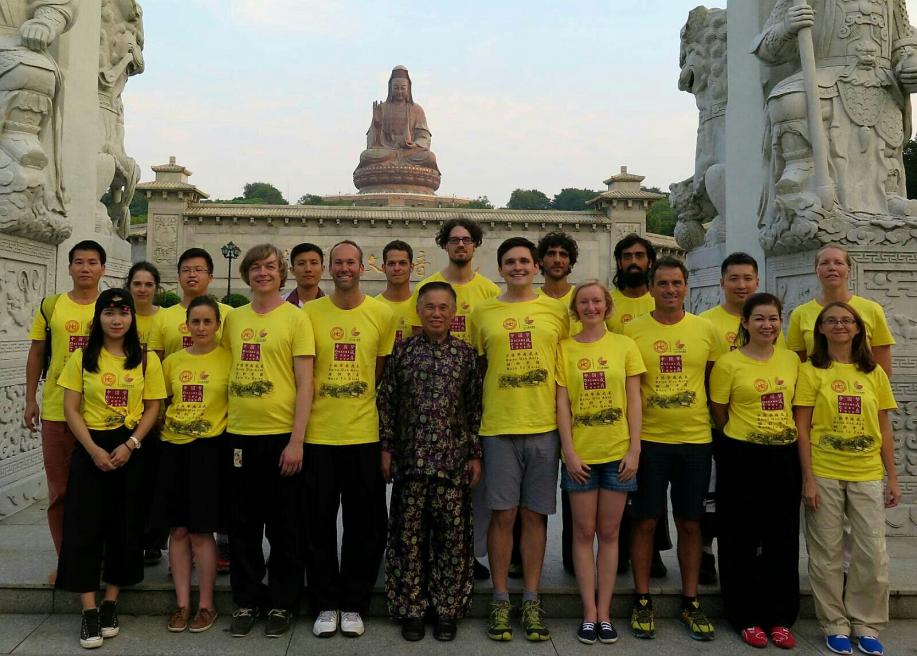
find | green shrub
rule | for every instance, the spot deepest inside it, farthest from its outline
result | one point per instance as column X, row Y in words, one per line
column 235, row 300
column 166, row 299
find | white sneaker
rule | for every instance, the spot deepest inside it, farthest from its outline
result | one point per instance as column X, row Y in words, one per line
column 352, row 625
column 326, row 624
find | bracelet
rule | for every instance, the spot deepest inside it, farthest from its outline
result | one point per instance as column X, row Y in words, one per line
column 133, row 440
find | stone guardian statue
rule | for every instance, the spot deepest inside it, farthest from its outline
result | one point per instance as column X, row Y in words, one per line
column 865, row 68
column 32, row 197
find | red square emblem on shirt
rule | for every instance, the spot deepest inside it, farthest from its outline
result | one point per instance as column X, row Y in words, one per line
column 186, row 341
column 670, row 364
column 594, row 380
column 192, row 393
column 849, row 405
column 458, row 324
column 251, row 352
column 399, row 335
column 345, row 352
column 116, row 398
column 77, row 342
column 773, row 401
column 520, row 341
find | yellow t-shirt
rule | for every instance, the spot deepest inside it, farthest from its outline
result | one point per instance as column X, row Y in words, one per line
column 199, row 388
column 595, row 375
column 469, row 295
column 676, row 356
column 170, row 332
column 145, row 327
column 574, row 325
column 520, row 342
column 801, row 335
column 113, row 397
column 759, row 394
column 348, row 343
column 70, row 324
column 262, row 384
column 626, row 309
column 405, row 315
column 727, row 328
column 845, row 435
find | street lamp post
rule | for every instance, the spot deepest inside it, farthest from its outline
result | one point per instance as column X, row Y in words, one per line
column 230, row 252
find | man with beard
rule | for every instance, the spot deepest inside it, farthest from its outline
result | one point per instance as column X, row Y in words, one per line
column 459, row 238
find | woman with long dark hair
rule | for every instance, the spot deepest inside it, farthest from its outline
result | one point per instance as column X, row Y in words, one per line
column 111, row 400
column 846, row 450
column 758, row 480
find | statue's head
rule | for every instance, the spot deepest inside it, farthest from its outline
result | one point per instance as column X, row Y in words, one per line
column 399, row 86
column 703, row 49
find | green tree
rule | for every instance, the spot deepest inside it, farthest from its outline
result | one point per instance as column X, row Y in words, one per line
column 572, row 199
column 910, row 167
column 235, row 300
column 310, row 199
column 480, row 203
column 528, row 199
column 166, row 299
column 263, row 193
column 661, row 218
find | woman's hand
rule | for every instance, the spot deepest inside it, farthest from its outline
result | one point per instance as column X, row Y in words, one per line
column 578, row 470
column 102, row 459
column 810, row 493
column 629, row 464
column 120, row 455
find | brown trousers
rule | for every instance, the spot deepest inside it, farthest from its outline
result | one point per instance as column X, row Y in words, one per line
column 57, row 444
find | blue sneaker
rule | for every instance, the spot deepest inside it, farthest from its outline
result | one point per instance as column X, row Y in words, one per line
column 839, row 644
column 870, row 645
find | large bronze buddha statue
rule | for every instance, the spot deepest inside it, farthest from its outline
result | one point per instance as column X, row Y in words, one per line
column 397, row 156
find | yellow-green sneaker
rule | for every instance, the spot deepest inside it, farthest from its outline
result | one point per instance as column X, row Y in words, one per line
column 697, row 623
column 533, row 621
column 643, row 620
column 499, row 627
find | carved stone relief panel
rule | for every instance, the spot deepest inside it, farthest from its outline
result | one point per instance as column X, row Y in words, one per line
column 903, row 520
column 164, row 237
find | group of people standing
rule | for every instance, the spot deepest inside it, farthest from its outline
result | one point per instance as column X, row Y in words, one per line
column 465, row 396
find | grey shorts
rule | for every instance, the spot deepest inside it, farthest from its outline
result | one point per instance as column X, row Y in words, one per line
column 521, row 470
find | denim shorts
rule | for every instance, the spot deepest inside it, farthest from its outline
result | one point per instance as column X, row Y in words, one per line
column 601, row 476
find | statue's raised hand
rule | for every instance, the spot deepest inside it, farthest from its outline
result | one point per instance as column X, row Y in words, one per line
column 36, row 35
column 799, row 17
column 907, row 72
column 377, row 112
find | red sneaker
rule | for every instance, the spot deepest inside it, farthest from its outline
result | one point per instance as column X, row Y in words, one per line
column 754, row 636
column 222, row 565
column 781, row 637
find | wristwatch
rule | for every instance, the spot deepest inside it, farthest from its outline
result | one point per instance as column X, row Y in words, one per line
column 133, row 440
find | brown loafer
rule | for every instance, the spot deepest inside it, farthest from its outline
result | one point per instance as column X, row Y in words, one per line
column 203, row 620
column 179, row 620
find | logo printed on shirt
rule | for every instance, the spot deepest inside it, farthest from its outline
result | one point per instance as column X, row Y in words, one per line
column 510, row 324
column 192, row 393
column 109, row 379
column 839, row 386
column 247, row 335
column 183, row 329
column 72, row 326
column 849, row 405
column 345, row 352
column 626, row 318
column 594, row 380
column 186, row 341
column 520, row 341
column 761, row 385
column 660, row 346
column 251, row 352
column 670, row 364
column 77, row 342
column 337, row 333
column 458, row 324
column 529, row 321
column 116, row 398
column 584, row 364
column 772, row 401
column 185, row 376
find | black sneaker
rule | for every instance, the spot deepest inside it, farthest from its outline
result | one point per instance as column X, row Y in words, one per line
column 586, row 633
column 278, row 622
column 152, row 556
column 108, row 618
column 607, row 633
column 707, row 574
column 90, row 629
column 243, row 619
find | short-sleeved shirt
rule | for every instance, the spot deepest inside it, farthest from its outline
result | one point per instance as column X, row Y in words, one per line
column 801, row 335
column 574, row 325
column 468, row 295
column 70, row 324
column 626, row 309
column 262, row 382
column 198, row 386
column 520, row 342
column 347, row 342
column 113, row 396
column 845, row 436
column 759, row 394
column 727, row 328
column 170, row 331
column 595, row 374
column 674, row 398
column 405, row 315
column 145, row 327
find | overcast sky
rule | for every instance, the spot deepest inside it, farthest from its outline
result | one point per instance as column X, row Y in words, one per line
column 536, row 94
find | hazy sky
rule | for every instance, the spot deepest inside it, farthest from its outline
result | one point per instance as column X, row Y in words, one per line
column 541, row 93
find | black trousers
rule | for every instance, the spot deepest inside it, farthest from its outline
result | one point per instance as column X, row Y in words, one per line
column 757, row 510
column 264, row 503
column 154, row 537
column 348, row 477
column 100, row 521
